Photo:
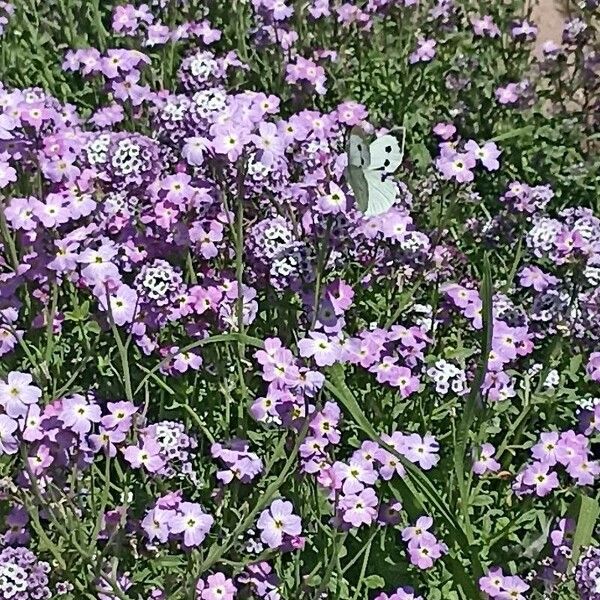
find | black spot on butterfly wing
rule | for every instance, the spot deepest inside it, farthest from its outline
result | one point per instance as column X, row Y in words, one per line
column 388, row 149
column 386, row 163
column 360, row 151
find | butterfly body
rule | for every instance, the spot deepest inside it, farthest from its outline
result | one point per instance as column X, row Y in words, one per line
column 370, row 166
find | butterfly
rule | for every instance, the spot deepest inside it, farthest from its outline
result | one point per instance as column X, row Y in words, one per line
column 370, row 165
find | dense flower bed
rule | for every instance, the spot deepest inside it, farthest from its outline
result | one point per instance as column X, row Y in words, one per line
column 219, row 379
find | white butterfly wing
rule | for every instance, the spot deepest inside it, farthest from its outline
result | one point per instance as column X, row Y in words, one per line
column 358, row 149
column 386, row 153
column 382, row 192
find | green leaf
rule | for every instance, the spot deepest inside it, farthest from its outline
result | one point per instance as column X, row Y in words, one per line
column 520, row 131
column 420, row 154
column 585, row 511
column 469, row 412
column 374, row 581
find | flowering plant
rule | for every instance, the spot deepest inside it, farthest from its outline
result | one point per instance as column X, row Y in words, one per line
column 219, row 379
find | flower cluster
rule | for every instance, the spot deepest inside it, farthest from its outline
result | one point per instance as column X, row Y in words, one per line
column 22, row 575
column 173, row 519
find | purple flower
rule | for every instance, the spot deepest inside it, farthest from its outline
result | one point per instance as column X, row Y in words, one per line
column 8, row 442
column 119, row 416
column 278, row 520
column 7, row 174
column 306, row 71
column 421, row 450
column 418, row 532
column 486, row 463
column 584, row 471
column 192, row 522
column 592, row 369
column 491, row 583
column 16, row 394
column 78, row 413
column 156, row 524
column 538, row 476
column 230, row 140
column 455, row 165
column 355, row 474
column 512, row 589
column 488, row 154
column 508, row 94
column 148, row 455
column 218, row 587
column 195, row 150
column 485, row 26
column 123, row 304
column 425, row 51
column 318, row 346
column 332, row 202
column 359, row 509
column 444, row 130
column 586, row 573
column 531, row 276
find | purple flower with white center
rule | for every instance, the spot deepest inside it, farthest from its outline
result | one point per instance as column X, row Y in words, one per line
column 17, row 393
column 334, row 201
column 403, row 379
column 486, row 462
column 269, row 144
column 359, row 509
column 513, row 588
column 192, row 522
column 78, row 413
column 325, row 421
column 107, row 440
column 278, row 520
column 584, row 471
column 539, row 476
column 455, row 165
column 218, row 587
column 230, row 140
column 491, row 583
column 156, row 524
column 421, row 450
column 424, row 553
column 545, row 450
column 325, row 352
column 488, row 154
column 147, row 455
column 390, row 464
column 356, row 475
column 99, row 269
column 123, row 304
column 120, row 415
column 419, row 531
column 195, row 150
